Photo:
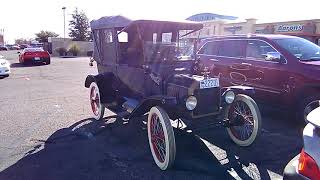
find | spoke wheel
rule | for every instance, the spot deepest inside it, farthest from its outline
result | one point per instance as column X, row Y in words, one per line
column 161, row 138
column 245, row 119
column 95, row 101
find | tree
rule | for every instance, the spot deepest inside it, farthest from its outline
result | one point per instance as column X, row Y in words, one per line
column 42, row 36
column 22, row 41
column 79, row 26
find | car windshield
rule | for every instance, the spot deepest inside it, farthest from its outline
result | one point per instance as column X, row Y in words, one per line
column 33, row 49
column 168, row 51
column 303, row 49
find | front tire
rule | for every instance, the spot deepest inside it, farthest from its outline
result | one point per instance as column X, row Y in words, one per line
column 95, row 101
column 48, row 62
column 161, row 138
column 245, row 119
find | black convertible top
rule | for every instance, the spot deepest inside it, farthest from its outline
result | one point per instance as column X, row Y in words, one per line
column 126, row 23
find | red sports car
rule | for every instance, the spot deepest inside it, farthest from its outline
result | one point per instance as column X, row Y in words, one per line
column 34, row 55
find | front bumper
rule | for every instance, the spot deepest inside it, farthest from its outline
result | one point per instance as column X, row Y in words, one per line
column 4, row 70
column 291, row 170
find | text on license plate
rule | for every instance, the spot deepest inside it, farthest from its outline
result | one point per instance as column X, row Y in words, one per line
column 36, row 58
column 209, row 83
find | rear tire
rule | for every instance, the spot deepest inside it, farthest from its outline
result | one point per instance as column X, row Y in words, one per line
column 48, row 61
column 306, row 106
column 245, row 109
column 161, row 138
column 95, row 102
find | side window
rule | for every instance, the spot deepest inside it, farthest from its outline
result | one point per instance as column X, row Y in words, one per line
column 154, row 38
column 166, row 37
column 123, row 37
column 231, row 48
column 108, row 36
column 209, row 48
column 258, row 49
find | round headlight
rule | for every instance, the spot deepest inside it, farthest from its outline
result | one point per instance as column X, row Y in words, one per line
column 191, row 103
column 229, row 97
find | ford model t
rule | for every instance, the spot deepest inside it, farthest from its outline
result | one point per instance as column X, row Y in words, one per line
column 146, row 67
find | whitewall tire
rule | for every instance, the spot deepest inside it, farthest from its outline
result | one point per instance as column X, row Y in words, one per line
column 95, row 102
column 245, row 109
column 161, row 138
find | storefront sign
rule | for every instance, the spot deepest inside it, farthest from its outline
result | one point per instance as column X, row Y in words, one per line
column 289, row 28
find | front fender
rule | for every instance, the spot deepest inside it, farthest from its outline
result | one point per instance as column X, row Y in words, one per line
column 241, row 90
column 164, row 101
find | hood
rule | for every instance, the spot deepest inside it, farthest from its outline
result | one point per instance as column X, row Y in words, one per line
column 2, row 61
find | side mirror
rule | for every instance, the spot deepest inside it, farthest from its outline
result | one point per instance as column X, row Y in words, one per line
column 18, row 52
column 275, row 57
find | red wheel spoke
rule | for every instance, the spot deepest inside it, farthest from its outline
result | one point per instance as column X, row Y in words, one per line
column 244, row 131
column 157, row 137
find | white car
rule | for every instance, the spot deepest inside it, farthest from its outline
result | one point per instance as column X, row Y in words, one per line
column 306, row 164
column 4, row 67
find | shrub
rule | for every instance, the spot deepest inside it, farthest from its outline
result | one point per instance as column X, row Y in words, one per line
column 74, row 49
column 62, row 51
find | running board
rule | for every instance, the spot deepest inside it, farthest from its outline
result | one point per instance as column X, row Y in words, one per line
column 130, row 104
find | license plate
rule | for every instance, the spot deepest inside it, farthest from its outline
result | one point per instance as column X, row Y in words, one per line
column 37, row 58
column 209, row 83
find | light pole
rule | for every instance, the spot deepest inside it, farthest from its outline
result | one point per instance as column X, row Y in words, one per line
column 64, row 22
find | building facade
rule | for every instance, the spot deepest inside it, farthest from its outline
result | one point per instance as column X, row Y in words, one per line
column 1, row 39
column 1, row 36
column 308, row 29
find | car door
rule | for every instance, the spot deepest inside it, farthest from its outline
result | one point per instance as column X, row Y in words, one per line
column 130, row 70
column 224, row 57
column 268, row 77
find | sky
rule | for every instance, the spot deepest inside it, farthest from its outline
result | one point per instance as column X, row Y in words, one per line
column 22, row 19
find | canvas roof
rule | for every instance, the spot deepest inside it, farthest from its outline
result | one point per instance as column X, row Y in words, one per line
column 121, row 21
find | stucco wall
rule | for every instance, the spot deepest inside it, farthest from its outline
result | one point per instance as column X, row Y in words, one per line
column 67, row 43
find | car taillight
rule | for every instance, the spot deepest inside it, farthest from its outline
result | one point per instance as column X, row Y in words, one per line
column 308, row 166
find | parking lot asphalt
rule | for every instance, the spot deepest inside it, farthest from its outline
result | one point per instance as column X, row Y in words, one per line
column 46, row 132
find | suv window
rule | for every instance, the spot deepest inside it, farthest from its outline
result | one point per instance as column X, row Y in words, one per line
column 230, row 48
column 210, row 48
column 258, row 49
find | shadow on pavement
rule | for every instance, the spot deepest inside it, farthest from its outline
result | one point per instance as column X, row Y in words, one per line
column 97, row 150
column 19, row 65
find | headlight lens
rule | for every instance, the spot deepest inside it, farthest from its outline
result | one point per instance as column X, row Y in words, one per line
column 191, row 103
column 229, row 97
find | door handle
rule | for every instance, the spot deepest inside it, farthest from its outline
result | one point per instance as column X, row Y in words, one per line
column 246, row 64
column 216, row 60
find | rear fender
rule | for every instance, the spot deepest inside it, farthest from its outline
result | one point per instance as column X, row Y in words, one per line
column 104, row 82
column 89, row 80
column 166, row 102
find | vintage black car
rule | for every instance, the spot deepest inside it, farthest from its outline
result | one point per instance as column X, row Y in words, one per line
column 148, row 67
